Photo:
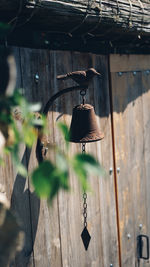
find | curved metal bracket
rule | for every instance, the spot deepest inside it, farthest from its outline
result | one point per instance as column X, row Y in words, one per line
column 47, row 107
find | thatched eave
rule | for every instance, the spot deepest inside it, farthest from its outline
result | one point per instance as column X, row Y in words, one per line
column 107, row 20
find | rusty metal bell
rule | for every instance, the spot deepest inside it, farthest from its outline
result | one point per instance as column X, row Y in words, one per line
column 83, row 127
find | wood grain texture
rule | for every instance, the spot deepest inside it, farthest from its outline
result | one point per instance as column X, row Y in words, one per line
column 76, row 15
column 45, row 224
column 103, row 247
column 53, row 233
column 104, row 154
column 123, row 63
column 129, row 131
column 16, row 189
column 146, row 155
column 20, row 198
column 56, row 231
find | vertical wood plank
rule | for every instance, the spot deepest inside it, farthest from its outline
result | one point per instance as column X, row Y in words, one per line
column 129, row 113
column 105, row 156
column 146, row 155
column 69, row 214
column 45, row 224
column 20, row 198
column 103, row 249
column 17, row 189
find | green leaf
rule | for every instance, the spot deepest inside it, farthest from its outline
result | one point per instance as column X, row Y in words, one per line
column 42, row 179
column 62, row 170
column 81, row 174
column 89, row 163
column 4, row 28
column 48, row 179
column 61, row 162
column 84, row 165
column 16, row 132
column 2, row 161
column 34, row 107
column 65, row 131
column 16, row 98
column 37, row 122
column 29, row 135
column 21, row 169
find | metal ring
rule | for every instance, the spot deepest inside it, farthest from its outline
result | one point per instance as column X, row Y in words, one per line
column 85, row 215
column 83, row 92
column 84, row 195
column 85, row 224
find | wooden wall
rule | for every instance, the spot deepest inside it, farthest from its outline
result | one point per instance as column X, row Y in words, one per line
column 119, row 202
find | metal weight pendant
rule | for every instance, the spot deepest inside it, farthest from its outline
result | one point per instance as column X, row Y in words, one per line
column 85, row 234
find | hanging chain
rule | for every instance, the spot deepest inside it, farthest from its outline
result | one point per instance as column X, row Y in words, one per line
column 84, row 196
column 85, row 208
column 83, row 93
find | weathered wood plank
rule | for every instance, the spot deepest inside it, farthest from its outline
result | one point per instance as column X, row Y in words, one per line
column 130, row 148
column 123, row 63
column 21, row 193
column 103, row 248
column 16, row 188
column 69, row 207
column 104, row 153
column 45, row 224
column 146, row 155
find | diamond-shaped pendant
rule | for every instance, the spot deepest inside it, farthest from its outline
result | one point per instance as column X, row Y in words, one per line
column 85, row 238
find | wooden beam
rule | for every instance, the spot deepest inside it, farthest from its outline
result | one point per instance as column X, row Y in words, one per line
column 78, row 16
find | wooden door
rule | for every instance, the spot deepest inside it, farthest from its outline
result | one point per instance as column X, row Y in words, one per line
column 53, row 233
column 130, row 79
column 118, row 207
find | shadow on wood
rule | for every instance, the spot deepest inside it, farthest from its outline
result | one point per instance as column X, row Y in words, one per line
column 21, row 205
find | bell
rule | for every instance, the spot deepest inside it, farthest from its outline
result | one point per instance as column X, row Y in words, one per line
column 83, row 127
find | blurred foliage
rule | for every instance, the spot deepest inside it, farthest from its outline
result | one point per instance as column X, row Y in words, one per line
column 65, row 132
column 12, row 109
column 20, row 123
column 4, row 29
column 49, row 177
